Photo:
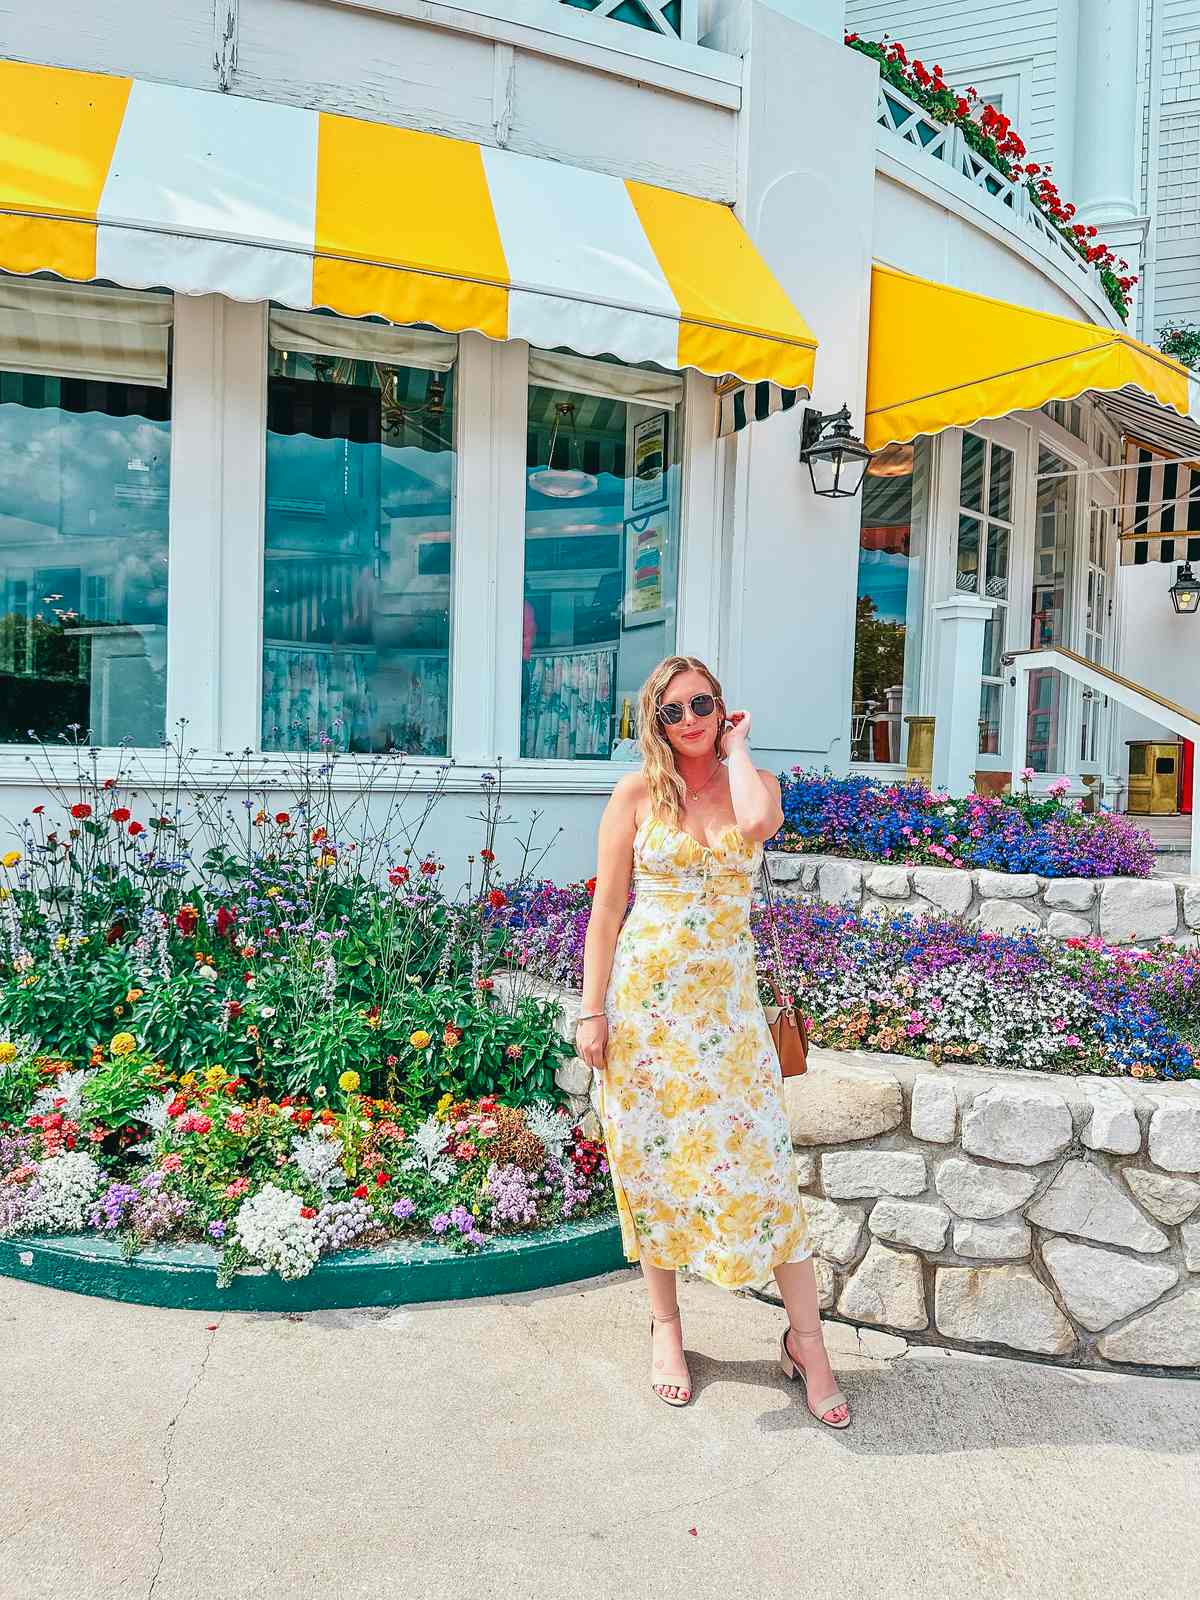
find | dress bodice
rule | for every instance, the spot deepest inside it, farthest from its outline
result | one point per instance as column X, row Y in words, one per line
column 669, row 860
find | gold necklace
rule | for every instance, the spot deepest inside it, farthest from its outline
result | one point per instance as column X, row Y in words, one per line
column 694, row 794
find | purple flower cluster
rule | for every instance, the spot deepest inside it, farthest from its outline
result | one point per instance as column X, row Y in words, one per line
column 462, row 1221
column 340, row 1222
column 111, row 1210
column 404, row 1208
column 856, row 816
column 512, row 1196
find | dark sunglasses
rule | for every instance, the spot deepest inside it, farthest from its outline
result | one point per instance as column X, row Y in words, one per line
column 703, row 705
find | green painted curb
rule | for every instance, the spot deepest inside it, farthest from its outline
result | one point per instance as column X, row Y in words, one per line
column 403, row 1272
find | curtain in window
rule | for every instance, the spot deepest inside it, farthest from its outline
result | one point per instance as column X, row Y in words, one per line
column 568, row 710
column 311, row 692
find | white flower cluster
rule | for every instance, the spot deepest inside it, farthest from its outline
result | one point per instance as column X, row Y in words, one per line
column 67, row 1086
column 271, row 1230
column 320, row 1160
column 547, row 1123
column 427, row 1142
column 67, row 1185
column 1023, row 1025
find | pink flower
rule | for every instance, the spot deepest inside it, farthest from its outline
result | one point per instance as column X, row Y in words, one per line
column 1027, row 774
column 171, row 1163
column 235, row 1122
column 1059, row 787
column 237, row 1188
column 195, row 1123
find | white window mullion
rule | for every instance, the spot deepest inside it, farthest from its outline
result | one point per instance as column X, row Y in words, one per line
column 194, row 557
column 701, row 593
column 243, row 523
column 489, row 522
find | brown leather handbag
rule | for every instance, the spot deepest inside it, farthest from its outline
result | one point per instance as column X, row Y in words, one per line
column 787, row 1023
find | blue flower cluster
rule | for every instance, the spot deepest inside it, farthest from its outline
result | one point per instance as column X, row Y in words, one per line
column 907, row 822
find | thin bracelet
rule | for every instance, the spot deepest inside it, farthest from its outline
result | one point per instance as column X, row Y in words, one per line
column 586, row 1016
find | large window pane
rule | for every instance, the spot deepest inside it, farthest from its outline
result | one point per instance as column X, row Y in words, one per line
column 601, row 558
column 360, row 496
column 969, row 530
column 887, row 623
column 84, row 489
column 1053, row 536
column 974, row 459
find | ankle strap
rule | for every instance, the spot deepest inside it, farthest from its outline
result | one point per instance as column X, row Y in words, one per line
column 654, row 1317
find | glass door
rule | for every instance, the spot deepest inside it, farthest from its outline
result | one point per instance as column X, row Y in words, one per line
column 983, row 563
column 1096, row 641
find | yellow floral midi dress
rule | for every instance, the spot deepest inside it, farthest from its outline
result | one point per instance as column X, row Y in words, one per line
column 691, row 1099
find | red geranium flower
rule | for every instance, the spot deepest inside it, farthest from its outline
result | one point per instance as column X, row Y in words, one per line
column 497, row 899
column 37, row 810
column 80, row 811
column 397, row 876
column 361, row 1192
column 282, row 818
column 308, row 1211
column 121, row 814
column 135, row 828
column 186, row 919
column 382, row 1178
column 429, row 867
column 487, row 855
column 178, row 1106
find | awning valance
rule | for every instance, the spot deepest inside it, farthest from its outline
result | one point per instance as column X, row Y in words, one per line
column 146, row 184
column 945, row 358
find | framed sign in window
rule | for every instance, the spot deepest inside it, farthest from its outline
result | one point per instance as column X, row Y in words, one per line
column 646, row 483
column 645, row 549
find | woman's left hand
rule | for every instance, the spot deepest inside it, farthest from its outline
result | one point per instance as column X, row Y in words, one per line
column 737, row 734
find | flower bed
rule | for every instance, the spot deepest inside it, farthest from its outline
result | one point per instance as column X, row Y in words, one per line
column 279, row 1034
column 941, row 991
column 909, row 823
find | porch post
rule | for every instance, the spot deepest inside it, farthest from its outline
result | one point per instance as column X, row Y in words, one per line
column 959, row 624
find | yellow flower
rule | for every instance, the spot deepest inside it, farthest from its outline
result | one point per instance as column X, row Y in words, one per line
column 61, row 942
column 420, row 1040
column 215, row 1075
column 349, row 1082
column 11, row 859
column 443, row 1106
column 123, row 1044
column 3, row 894
column 274, row 892
column 8, row 1052
column 188, row 1079
column 133, row 997
column 326, row 858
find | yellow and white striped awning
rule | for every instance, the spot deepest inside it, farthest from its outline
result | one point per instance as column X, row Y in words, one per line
column 150, row 185
column 946, row 358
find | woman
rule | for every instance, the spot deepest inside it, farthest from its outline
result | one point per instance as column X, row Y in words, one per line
column 671, row 1021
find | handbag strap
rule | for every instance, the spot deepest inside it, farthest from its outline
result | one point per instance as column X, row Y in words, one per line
column 785, row 999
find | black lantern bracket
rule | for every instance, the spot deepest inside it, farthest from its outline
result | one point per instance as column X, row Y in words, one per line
column 836, row 460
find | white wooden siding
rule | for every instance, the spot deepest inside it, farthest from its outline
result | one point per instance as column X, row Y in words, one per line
column 978, row 38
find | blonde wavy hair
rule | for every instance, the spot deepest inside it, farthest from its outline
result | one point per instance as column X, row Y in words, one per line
column 667, row 792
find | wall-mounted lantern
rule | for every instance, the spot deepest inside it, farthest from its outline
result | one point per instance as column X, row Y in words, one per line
column 1185, row 591
column 836, row 460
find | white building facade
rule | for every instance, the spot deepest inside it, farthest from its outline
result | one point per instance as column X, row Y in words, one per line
column 275, row 527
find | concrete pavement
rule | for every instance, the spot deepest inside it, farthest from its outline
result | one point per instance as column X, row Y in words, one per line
column 512, row 1447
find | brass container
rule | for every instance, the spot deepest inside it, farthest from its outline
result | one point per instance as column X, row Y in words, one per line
column 920, row 748
column 1155, row 772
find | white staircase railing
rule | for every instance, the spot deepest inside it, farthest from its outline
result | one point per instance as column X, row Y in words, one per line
column 1155, row 707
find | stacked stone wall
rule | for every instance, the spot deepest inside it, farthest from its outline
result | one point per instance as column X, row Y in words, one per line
column 1120, row 910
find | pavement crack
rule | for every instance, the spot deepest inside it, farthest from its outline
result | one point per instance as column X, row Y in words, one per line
column 169, row 1460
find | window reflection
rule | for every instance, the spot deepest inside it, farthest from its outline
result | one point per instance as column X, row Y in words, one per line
column 84, row 489
column 360, row 489
column 602, row 495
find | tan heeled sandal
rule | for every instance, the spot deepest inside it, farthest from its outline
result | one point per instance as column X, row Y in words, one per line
column 792, row 1369
column 667, row 1399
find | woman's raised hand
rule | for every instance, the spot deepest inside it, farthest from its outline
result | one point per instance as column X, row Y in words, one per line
column 737, row 733
column 591, row 1041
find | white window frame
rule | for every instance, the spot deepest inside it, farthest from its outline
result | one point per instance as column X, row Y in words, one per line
column 217, row 550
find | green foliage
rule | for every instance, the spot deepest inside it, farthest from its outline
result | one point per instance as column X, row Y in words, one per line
column 1183, row 342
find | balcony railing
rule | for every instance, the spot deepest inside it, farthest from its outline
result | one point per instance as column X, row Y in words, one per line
column 906, row 120
column 677, row 19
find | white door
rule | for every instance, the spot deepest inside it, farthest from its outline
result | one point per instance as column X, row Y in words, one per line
column 1096, row 639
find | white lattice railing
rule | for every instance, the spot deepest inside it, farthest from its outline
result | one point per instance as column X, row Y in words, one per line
column 906, row 120
column 677, row 19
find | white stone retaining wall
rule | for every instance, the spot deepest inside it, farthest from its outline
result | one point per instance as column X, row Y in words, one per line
column 1120, row 910
column 1002, row 1211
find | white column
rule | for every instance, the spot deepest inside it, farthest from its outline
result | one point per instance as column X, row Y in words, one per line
column 1106, row 143
column 958, row 625
column 489, row 549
